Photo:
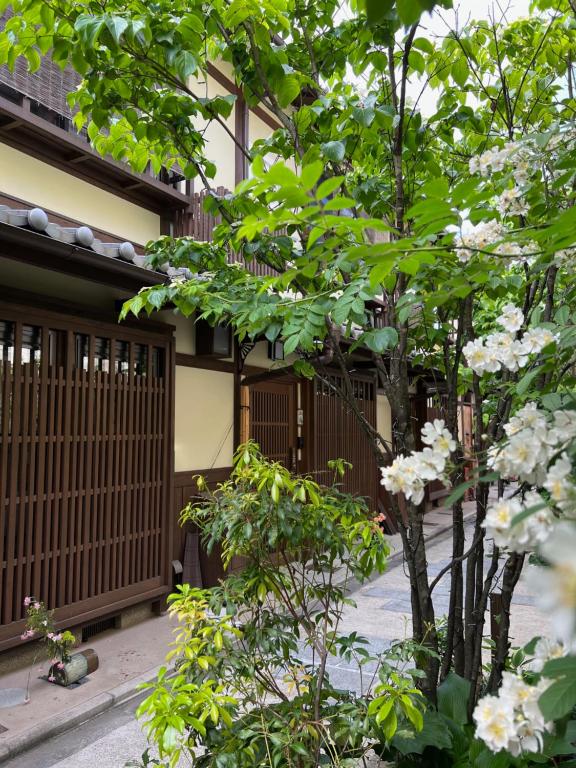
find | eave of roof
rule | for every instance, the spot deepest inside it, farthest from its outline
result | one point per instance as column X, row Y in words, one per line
column 70, row 153
column 40, row 249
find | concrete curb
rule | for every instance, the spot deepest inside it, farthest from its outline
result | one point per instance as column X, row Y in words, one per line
column 65, row 721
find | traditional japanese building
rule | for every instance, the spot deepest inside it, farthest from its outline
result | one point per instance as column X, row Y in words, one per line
column 103, row 425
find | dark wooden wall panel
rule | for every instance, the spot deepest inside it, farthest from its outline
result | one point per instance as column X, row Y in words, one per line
column 85, row 465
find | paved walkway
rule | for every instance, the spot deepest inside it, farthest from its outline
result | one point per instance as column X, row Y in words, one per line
column 382, row 614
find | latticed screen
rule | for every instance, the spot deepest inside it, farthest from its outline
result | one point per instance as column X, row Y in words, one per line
column 84, row 466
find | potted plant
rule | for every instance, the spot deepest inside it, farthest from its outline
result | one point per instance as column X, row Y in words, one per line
column 66, row 667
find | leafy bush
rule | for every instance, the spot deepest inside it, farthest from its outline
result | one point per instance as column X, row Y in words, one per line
column 253, row 655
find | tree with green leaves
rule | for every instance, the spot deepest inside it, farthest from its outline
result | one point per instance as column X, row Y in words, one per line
column 474, row 203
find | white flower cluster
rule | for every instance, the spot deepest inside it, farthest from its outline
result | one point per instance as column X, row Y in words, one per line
column 512, row 720
column 533, row 443
column 511, row 203
column 502, row 350
column 409, row 474
column 479, row 238
column 493, row 160
column 489, row 235
column 526, row 534
column 546, row 650
column 565, row 257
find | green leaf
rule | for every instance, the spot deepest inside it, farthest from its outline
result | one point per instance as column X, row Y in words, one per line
column 185, row 64
column 329, row 186
column 288, row 90
column 364, row 116
column 453, row 698
column 334, row 150
column 559, row 699
column 434, row 733
column 460, row 71
column 526, row 380
column 116, row 25
column 310, row 174
column 380, row 339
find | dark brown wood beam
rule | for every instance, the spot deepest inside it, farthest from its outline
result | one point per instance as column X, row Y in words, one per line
column 44, row 141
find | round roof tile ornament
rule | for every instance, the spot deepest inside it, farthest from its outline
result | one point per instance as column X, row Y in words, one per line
column 126, row 251
column 38, row 219
column 84, row 236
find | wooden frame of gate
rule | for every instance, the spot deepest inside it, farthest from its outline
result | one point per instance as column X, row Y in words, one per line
column 86, row 465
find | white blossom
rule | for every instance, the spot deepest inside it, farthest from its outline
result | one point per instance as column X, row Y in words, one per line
column 481, row 359
column 435, row 434
column 545, row 650
column 479, row 237
column 409, row 474
column 511, row 318
column 512, row 720
column 535, row 339
column 510, row 203
column 555, row 585
column 494, row 723
column 558, row 484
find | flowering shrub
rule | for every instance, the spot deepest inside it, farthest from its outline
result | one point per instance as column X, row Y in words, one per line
column 499, row 350
column 539, row 452
column 513, row 720
column 40, row 624
column 409, row 474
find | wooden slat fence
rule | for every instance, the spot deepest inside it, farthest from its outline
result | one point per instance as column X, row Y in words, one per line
column 337, row 435
column 273, row 421
column 85, row 449
column 195, row 222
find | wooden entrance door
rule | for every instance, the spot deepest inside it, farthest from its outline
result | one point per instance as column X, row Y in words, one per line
column 85, row 465
column 337, row 435
column 272, row 421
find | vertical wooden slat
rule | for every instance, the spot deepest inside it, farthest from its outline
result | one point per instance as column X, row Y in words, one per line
column 129, row 475
column 6, row 441
column 75, row 398
column 40, row 481
column 64, row 418
column 148, row 478
column 94, row 488
column 60, row 543
column 24, row 467
column 89, row 499
column 110, row 464
column 122, row 555
column 31, row 481
column 7, row 603
column 81, row 521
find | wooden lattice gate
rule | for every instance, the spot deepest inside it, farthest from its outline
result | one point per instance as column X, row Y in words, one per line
column 337, row 434
column 85, row 463
column 273, row 421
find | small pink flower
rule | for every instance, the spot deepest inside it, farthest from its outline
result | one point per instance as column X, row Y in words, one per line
column 27, row 601
column 29, row 633
column 51, row 679
column 60, row 665
column 50, row 635
column 24, row 636
column 57, row 638
column 37, row 606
